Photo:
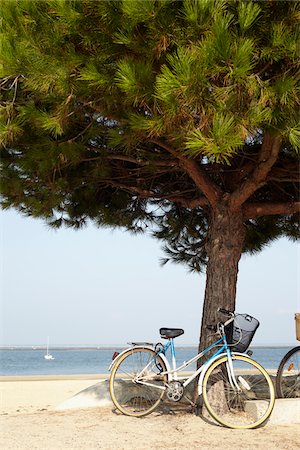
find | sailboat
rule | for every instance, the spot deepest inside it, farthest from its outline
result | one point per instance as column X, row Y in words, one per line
column 48, row 355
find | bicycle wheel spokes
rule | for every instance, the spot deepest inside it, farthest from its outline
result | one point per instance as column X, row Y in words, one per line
column 288, row 377
column 243, row 401
column 136, row 386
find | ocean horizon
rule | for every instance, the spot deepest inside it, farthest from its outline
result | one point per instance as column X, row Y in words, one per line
column 74, row 360
column 120, row 345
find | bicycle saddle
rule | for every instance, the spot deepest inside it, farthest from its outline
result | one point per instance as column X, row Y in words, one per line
column 168, row 333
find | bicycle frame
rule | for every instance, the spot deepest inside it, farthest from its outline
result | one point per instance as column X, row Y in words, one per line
column 172, row 373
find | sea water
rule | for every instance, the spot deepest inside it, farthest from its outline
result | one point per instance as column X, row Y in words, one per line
column 70, row 361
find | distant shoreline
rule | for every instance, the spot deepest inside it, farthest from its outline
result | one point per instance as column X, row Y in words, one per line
column 64, row 348
column 120, row 347
column 25, row 361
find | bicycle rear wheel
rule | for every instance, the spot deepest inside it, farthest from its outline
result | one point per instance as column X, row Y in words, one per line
column 288, row 375
column 243, row 401
column 136, row 385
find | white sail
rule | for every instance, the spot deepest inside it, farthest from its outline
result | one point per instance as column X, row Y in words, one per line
column 48, row 355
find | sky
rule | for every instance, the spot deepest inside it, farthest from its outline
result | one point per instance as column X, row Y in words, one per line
column 102, row 287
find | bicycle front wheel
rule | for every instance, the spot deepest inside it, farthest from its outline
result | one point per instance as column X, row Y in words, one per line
column 288, row 375
column 238, row 396
column 136, row 385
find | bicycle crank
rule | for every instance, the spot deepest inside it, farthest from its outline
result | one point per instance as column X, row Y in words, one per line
column 174, row 391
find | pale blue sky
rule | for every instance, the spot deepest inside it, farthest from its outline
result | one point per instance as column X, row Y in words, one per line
column 101, row 287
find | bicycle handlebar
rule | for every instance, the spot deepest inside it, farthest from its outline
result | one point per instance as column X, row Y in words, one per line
column 226, row 312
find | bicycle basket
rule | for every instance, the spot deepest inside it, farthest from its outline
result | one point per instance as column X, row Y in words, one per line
column 239, row 333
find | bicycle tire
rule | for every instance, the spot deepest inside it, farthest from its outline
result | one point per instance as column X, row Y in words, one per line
column 288, row 375
column 133, row 398
column 247, row 406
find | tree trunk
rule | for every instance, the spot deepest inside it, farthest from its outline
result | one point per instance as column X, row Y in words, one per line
column 224, row 248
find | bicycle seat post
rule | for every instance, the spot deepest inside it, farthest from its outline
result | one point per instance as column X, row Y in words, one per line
column 174, row 367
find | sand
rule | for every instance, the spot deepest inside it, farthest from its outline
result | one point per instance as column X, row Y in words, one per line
column 35, row 393
column 29, row 420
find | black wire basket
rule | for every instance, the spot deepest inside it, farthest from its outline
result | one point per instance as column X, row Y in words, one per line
column 239, row 333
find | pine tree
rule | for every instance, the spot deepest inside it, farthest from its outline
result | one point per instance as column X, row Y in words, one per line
column 179, row 117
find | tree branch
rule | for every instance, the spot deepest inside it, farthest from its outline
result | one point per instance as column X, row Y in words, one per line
column 142, row 162
column 253, row 210
column 144, row 193
column 125, row 158
column 188, row 203
column 267, row 157
column 284, row 180
column 211, row 191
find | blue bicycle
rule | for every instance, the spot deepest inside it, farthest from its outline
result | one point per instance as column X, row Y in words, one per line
column 236, row 390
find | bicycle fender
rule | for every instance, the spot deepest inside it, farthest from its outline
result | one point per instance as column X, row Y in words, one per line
column 215, row 358
column 163, row 357
column 124, row 351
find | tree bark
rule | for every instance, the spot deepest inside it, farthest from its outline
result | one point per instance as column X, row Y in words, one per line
column 224, row 248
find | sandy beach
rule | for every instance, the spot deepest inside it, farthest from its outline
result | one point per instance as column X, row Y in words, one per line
column 29, row 420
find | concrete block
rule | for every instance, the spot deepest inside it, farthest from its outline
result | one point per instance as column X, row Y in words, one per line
column 286, row 411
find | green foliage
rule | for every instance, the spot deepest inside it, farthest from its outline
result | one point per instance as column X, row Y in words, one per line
column 243, row 59
column 93, row 76
column 293, row 136
column 51, row 124
column 224, row 139
column 262, row 231
column 147, row 55
column 184, row 234
column 9, row 132
column 137, row 11
column 248, row 13
column 134, row 79
column 153, row 126
column 89, row 88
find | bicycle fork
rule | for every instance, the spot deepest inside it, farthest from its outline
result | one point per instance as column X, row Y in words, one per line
column 230, row 373
column 232, row 378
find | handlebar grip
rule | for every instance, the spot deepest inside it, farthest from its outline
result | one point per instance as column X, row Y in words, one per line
column 225, row 312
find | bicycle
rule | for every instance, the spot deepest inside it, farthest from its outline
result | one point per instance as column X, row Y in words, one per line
column 236, row 391
column 288, row 374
